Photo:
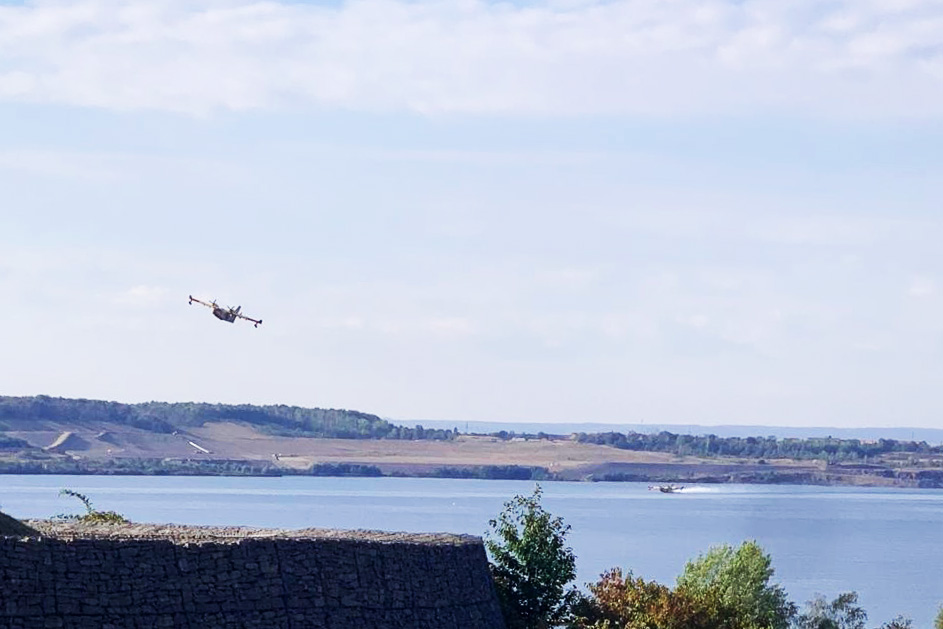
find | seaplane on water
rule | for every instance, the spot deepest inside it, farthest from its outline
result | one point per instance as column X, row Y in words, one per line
column 666, row 489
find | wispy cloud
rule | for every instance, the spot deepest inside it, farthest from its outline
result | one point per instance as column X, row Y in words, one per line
column 921, row 287
column 68, row 165
column 861, row 58
column 142, row 296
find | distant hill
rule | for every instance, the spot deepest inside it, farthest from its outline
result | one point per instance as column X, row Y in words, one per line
column 930, row 435
column 165, row 418
column 44, row 435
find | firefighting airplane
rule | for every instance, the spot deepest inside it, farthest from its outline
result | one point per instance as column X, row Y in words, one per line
column 225, row 314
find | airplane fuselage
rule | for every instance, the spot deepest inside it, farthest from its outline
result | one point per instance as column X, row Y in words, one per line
column 224, row 315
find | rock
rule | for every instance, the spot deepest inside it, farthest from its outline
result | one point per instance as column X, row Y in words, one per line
column 13, row 527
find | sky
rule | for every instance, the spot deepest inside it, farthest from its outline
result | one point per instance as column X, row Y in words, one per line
column 659, row 211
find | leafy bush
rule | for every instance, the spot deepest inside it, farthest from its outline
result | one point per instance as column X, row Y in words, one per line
column 841, row 613
column 740, row 579
column 531, row 564
column 618, row 601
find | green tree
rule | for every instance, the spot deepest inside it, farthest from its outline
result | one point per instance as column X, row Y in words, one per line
column 627, row 601
column 842, row 613
column 740, row 578
column 938, row 623
column 531, row 563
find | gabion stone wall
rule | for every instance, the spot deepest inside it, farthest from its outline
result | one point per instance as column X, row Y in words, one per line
column 97, row 577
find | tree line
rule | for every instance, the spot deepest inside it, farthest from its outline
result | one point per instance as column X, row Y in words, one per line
column 829, row 449
column 165, row 417
column 37, row 462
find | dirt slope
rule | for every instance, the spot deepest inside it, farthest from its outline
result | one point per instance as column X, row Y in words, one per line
column 225, row 440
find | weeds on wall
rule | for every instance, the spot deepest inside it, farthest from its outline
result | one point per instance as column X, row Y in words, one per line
column 91, row 515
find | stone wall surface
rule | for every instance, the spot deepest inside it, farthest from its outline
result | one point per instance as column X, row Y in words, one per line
column 77, row 576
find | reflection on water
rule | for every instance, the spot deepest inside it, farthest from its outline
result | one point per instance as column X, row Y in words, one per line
column 882, row 543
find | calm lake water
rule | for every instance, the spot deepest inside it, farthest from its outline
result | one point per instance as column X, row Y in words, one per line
column 887, row 545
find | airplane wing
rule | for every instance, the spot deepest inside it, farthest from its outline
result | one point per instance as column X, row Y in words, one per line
column 257, row 322
column 202, row 303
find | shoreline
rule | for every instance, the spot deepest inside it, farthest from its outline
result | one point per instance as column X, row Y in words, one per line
column 684, row 473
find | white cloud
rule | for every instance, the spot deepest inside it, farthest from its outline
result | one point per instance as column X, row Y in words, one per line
column 142, row 296
column 633, row 56
column 69, row 165
column 697, row 321
column 823, row 229
column 451, row 326
column 921, row 287
column 569, row 278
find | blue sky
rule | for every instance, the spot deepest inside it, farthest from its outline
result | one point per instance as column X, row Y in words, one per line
column 659, row 211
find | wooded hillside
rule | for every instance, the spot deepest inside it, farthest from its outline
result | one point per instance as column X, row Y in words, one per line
column 165, row 417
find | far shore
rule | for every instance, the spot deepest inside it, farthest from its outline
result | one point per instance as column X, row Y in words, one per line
column 678, row 472
column 238, row 449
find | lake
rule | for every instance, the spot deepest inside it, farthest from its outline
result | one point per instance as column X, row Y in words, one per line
column 885, row 544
